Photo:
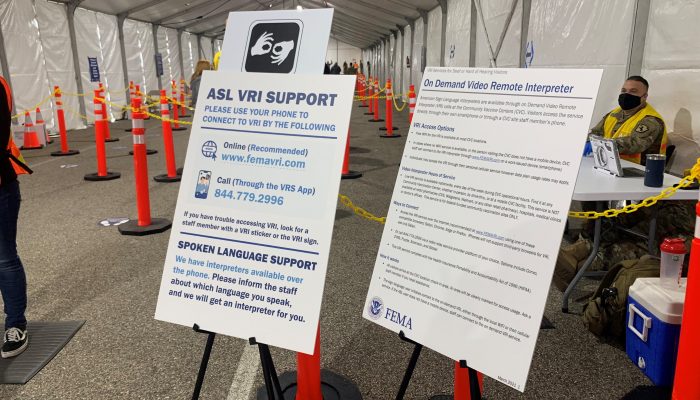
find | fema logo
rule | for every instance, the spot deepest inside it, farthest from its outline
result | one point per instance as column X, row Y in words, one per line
column 375, row 307
column 273, row 46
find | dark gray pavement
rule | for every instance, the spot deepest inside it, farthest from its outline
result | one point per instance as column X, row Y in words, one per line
column 78, row 270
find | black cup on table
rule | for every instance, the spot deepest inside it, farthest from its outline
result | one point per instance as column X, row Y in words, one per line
column 654, row 173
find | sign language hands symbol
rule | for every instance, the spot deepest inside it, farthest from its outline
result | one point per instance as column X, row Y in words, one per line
column 281, row 50
column 263, row 45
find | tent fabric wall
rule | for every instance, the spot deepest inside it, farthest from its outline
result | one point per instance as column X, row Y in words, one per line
column 495, row 15
column 391, row 50
column 217, row 45
column 170, row 52
column 190, row 54
column 25, row 56
column 434, row 45
column 416, row 62
column 97, row 36
column 206, row 52
column 569, row 35
column 672, row 67
column 398, row 62
column 457, row 33
column 55, row 43
column 406, row 81
column 342, row 52
column 140, row 54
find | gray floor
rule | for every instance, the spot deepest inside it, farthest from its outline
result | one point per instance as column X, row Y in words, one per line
column 78, row 270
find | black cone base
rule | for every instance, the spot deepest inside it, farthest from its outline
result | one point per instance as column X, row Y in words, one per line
column 383, row 128
column 149, row 152
column 113, row 139
column 179, row 171
column 375, row 120
column 166, row 178
column 127, row 130
column 110, row 175
column 184, row 116
column 32, row 148
column 182, row 128
column 67, row 153
column 333, row 386
column 369, row 113
column 351, row 175
column 49, row 142
column 361, row 106
column 393, row 135
column 442, row 397
column 132, row 227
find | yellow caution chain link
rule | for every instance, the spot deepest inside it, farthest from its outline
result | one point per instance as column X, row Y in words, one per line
column 345, row 200
column 399, row 109
column 39, row 104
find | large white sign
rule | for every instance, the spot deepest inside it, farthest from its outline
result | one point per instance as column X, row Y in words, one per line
column 252, row 228
column 478, row 210
column 287, row 42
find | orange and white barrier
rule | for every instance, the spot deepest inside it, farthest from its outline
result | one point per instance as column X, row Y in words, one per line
column 102, row 173
column 411, row 103
column 40, row 127
column 375, row 106
column 172, row 175
column 183, row 110
column 370, row 94
column 176, row 122
column 60, row 116
column 389, row 128
column 31, row 139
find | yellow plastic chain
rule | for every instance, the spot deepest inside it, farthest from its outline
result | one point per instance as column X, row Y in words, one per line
column 158, row 117
column 39, row 104
column 345, row 200
column 399, row 109
column 648, row 202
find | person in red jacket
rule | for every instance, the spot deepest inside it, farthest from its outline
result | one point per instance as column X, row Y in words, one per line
column 13, row 282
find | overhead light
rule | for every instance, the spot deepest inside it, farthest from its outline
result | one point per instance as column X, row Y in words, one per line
column 299, row 8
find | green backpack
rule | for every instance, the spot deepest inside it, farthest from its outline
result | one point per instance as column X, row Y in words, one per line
column 605, row 313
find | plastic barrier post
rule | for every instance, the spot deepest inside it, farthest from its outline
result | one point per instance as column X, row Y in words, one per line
column 686, row 385
column 183, row 110
column 108, row 137
column 31, row 140
column 347, row 172
column 102, row 174
column 411, row 103
column 376, row 102
column 176, row 123
column 370, row 95
column 389, row 128
column 172, row 175
column 363, row 92
column 65, row 151
column 311, row 383
column 132, row 94
column 143, row 110
column 144, row 225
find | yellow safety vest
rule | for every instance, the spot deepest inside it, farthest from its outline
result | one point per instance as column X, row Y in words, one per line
column 627, row 128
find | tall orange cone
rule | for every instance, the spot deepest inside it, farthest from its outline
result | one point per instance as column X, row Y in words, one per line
column 65, row 151
column 102, row 173
column 105, row 115
column 183, row 108
column 411, row 103
column 376, row 102
column 41, row 126
column 686, row 385
column 176, row 112
column 347, row 173
column 31, row 140
column 389, row 128
column 369, row 97
column 142, row 111
column 172, row 175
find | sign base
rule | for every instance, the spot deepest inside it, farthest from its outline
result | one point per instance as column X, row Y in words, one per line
column 166, row 178
column 67, row 153
column 94, row 177
column 333, row 387
column 351, row 175
column 132, row 228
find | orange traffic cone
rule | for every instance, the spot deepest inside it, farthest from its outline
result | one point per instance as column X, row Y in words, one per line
column 41, row 127
column 31, row 140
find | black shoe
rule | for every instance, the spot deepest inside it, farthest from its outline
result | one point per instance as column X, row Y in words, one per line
column 15, row 342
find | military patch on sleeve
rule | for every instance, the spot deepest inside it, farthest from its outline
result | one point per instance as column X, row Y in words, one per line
column 641, row 128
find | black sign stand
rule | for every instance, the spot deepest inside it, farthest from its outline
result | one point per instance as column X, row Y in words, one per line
column 474, row 389
column 272, row 383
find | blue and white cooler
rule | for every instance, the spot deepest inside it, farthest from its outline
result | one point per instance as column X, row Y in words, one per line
column 654, row 314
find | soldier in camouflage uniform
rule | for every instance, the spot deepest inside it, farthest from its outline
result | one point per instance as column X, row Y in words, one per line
column 638, row 130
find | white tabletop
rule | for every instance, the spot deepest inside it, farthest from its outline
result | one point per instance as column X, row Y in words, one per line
column 594, row 185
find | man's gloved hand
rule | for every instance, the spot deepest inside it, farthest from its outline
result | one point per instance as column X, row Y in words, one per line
column 588, row 149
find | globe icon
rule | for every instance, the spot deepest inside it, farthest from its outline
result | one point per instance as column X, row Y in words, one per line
column 209, row 149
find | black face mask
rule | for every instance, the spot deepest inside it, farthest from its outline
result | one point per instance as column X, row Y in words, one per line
column 628, row 101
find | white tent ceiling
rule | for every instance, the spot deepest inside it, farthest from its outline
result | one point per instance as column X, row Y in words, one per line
column 357, row 22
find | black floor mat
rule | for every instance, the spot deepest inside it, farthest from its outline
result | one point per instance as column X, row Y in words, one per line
column 46, row 339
